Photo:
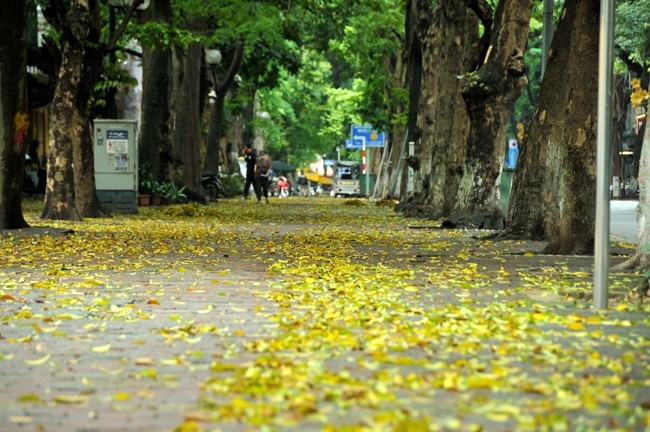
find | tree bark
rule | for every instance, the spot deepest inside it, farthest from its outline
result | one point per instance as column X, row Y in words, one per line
column 154, row 139
column 221, row 87
column 490, row 95
column 70, row 194
column 442, row 46
column 641, row 259
column 59, row 190
column 13, row 112
column 86, row 199
column 553, row 194
column 187, row 133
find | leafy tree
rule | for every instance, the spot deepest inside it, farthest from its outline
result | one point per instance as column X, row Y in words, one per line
column 437, row 113
column 299, row 105
column 554, row 185
column 70, row 193
column 633, row 36
column 353, row 69
column 490, row 95
column 13, row 111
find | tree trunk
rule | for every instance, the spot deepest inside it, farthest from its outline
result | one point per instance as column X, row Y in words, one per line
column 643, row 209
column 86, row 199
column 553, row 194
column 213, row 154
column 71, row 195
column 641, row 259
column 155, row 128
column 13, row 115
column 187, row 136
column 59, row 191
column 442, row 46
column 490, row 95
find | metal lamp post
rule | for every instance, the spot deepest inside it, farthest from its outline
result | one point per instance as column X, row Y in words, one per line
column 213, row 58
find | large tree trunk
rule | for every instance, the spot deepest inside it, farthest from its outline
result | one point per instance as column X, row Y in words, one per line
column 641, row 259
column 71, row 195
column 490, row 95
column 59, row 191
column 442, row 46
column 643, row 209
column 553, row 195
column 86, row 199
column 13, row 115
column 154, row 138
column 187, row 133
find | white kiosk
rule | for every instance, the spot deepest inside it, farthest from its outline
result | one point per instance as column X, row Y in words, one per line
column 116, row 164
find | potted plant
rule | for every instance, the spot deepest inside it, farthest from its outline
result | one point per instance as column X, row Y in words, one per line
column 158, row 191
column 145, row 185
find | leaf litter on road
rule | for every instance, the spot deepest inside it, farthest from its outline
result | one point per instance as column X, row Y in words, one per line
column 309, row 314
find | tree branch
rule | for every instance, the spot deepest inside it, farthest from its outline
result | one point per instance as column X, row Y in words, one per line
column 110, row 45
column 235, row 65
column 484, row 13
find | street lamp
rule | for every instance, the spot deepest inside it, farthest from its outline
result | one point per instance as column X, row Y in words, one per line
column 213, row 58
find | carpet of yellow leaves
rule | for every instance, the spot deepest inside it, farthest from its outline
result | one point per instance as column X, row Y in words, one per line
column 309, row 314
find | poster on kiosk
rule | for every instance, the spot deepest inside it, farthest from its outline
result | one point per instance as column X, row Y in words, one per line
column 116, row 164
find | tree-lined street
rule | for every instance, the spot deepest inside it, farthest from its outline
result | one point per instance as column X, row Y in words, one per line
column 309, row 314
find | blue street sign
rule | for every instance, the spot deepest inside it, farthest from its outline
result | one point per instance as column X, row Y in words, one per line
column 353, row 144
column 365, row 133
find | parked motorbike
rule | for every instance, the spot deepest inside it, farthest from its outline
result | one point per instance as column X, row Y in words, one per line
column 212, row 186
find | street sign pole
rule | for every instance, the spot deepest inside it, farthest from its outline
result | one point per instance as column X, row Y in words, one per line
column 364, row 164
column 410, row 183
column 605, row 71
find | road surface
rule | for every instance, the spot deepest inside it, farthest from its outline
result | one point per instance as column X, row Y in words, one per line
column 622, row 224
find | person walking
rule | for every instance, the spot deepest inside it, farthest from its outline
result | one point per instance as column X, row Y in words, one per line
column 262, row 175
column 250, row 156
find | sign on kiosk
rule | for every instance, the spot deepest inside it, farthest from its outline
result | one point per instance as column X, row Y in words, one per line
column 116, row 164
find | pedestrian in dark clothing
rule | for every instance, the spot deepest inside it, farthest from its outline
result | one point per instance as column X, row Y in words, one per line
column 262, row 175
column 250, row 156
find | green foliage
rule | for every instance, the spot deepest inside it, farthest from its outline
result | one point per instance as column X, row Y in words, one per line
column 162, row 35
column 146, row 181
column 173, row 193
column 633, row 29
column 232, row 185
column 342, row 80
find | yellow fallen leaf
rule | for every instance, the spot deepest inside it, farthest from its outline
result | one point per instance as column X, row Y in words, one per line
column 576, row 326
column 71, row 399
column 20, row 419
column 144, row 361
column 206, row 310
column 101, row 348
column 111, row 371
column 30, row 398
column 121, row 396
column 197, row 417
column 38, row 362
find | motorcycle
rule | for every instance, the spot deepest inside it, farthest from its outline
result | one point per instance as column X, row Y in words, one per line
column 212, row 186
column 284, row 187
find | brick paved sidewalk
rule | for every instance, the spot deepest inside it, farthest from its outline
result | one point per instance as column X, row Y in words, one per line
column 124, row 351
